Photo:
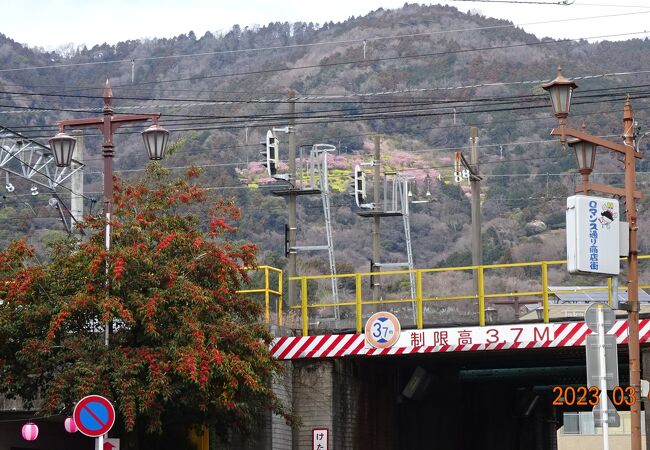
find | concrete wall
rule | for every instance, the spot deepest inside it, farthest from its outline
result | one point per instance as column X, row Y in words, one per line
column 346, row 405
column 313, row 383
column 280, row 432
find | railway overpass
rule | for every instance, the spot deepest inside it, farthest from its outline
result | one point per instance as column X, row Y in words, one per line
column 444, row 384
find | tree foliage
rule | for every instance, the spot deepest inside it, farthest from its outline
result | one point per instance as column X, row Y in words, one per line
column 183, row 343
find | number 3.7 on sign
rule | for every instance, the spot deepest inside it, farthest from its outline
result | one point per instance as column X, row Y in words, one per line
column 381, row 332
column 517, row 335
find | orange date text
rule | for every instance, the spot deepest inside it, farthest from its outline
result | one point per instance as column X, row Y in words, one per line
column 590, row 396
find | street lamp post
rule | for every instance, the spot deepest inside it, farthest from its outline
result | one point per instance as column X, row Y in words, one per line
column 560, row 90
column 155, row 139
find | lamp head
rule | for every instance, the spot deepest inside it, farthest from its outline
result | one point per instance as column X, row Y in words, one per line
column 155, row 140
column 585, row 155
column 62, row 146
column 560, row 90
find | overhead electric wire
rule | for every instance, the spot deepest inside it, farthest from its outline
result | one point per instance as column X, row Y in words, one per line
column 556, row 3
column 330, row 99
column 522, row 2
column 293, row 46
column 387, row 58
column 585, row 77
column 329, row 119
column 463, row 125
column 444, row 106
column 611, row 5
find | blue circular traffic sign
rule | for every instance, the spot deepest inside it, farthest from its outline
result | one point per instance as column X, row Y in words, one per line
column 94, row 415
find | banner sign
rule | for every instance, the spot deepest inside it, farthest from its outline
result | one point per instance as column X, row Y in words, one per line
column 592, row 234
column 456, row 339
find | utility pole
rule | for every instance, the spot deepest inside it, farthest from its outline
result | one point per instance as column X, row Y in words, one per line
column 376, row 165
column 77, row 182
column 633, row 275
column 292, row 200
column 583, row 143
column 471, row 171
column 475, row 183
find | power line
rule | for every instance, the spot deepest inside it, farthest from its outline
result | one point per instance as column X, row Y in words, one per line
column 521, row 2
column 388, row 58
column 294, row 46
column 379, row 112
column 315, row 99
column 611, row 5
column 489, row 122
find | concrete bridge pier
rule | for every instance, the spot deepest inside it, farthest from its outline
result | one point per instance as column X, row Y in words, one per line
column 326, row 396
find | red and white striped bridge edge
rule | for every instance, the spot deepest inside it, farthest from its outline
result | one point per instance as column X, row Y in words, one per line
column 438, row 340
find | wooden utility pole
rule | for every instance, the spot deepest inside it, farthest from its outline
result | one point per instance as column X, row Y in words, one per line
column 633, row 275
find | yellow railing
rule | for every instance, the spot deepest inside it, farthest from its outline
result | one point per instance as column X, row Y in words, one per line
column 420, row 299
column 268, row 291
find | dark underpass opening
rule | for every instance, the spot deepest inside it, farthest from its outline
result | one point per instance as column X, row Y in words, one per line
column 466, row 401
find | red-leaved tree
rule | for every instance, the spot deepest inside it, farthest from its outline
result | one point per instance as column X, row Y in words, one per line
column 184, row 347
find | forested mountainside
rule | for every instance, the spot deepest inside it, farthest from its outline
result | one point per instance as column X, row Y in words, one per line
column 420, row 76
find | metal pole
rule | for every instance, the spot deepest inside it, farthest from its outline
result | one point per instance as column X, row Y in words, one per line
column 292, row 300
column 376, row 165
column 107, row 124
column 77, row 182
column 603, row 376
column 475, row 183
column 633, row 279
column 107, row 153
column 614, row 292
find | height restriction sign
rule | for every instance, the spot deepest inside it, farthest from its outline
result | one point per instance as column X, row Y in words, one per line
column 382, row 330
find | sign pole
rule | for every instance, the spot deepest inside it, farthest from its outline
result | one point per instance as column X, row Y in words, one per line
column 603, row 375
column 100, row 442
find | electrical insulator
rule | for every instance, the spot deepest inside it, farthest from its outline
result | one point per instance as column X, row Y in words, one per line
column 270, row 153
column 359, row 185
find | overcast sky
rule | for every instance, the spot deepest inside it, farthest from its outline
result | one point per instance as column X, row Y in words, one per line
column 51, row 23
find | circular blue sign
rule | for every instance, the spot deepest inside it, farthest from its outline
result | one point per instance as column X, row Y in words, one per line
column 94, row 415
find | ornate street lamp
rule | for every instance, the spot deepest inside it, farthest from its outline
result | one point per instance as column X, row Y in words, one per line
column 155, row 137
column 585, row 157
column 584, row 145
column 561, row 91
column 155, row 141
column 62, row 145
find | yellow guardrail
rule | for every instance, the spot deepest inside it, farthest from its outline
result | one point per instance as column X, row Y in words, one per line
column 268, row 292
column 420, row 299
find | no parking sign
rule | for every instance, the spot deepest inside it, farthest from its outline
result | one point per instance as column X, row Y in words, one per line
column 94, row 415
